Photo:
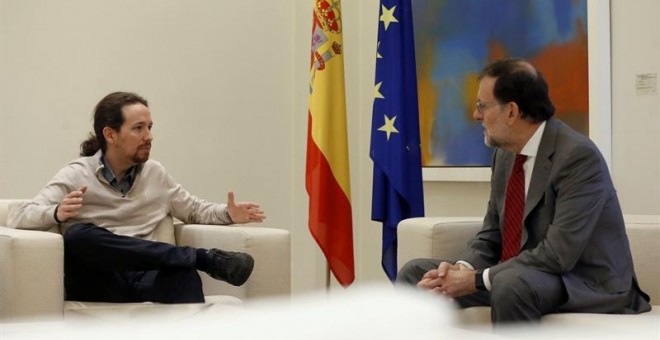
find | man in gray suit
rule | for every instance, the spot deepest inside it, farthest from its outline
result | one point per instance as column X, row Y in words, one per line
column 568, row 250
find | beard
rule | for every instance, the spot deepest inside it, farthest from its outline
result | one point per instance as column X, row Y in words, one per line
column 490, row 141
column 139, row 159
column 141, row 155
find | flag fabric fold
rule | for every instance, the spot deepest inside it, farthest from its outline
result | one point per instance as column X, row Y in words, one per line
column 395, row 138
column 327, row 170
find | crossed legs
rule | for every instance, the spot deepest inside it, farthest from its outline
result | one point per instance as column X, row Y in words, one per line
column 105, row 267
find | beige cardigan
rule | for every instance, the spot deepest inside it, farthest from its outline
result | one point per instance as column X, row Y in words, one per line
column 153, row 196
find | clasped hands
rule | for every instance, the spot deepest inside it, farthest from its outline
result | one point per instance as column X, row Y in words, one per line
column 451, row 280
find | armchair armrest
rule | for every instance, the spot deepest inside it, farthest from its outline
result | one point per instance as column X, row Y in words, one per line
column 435, row 237
column 31, row 275
column 270, row 247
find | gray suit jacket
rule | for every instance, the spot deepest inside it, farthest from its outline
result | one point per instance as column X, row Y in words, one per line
column 573, row 225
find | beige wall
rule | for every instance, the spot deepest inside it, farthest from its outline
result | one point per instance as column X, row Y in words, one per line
column 228, row 85
column 635, row 118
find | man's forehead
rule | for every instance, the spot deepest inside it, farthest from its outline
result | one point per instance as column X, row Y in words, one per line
column 486, row 85
column 136, row 113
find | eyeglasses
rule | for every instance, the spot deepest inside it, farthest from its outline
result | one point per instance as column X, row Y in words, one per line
column 481, row 107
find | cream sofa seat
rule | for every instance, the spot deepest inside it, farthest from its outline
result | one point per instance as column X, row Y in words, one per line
column 446, row 237
column 32, row 267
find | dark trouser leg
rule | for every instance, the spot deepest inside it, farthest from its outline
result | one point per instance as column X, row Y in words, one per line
column 521, row 294
column 100, row 248
column 88, row 284
column 102, row 266
column 169, row 286
column 413, row 271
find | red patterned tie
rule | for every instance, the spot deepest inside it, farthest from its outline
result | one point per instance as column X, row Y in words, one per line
column 513, row 210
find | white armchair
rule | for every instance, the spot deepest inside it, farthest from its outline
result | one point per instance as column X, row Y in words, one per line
column 446, row 237
column 32, row 265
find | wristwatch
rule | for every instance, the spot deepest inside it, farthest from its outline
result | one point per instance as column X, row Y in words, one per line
column 479, row 280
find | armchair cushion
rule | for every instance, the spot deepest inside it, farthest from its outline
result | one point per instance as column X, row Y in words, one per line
column 146, row 311
column 31, row 274
column 435, row 237
column 270, row 248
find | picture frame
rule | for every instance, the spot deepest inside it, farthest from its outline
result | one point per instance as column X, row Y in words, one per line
column 600, row 94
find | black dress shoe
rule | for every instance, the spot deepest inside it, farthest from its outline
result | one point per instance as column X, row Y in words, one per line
column 229, row 266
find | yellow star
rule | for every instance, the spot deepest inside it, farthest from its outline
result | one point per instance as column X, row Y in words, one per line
column 378, row 56
column 377, row 93
column 389, row 126
column 388, row 16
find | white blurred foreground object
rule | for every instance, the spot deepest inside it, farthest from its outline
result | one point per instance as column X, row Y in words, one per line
column 367, row 312
column 359, row 313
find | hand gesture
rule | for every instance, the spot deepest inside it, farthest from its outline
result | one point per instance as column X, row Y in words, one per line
column 70, row 204
column 243, row 212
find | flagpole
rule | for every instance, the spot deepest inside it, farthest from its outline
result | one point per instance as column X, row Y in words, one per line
column 327, row 276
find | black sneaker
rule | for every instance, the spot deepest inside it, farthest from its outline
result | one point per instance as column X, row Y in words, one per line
column 229, row 266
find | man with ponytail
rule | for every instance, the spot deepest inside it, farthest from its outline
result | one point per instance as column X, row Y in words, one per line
column 108, row 204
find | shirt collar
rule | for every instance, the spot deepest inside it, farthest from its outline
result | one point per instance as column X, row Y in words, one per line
column 532, row 147
column 110, row 176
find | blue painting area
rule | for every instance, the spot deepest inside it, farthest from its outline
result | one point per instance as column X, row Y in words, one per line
column 462, row 34
column 454, row 129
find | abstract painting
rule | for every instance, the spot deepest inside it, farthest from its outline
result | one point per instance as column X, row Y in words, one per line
column 455, row 39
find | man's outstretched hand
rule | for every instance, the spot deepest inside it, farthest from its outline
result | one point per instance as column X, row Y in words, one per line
column 244, row 212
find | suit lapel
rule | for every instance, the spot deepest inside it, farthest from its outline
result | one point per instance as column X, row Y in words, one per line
column 542, row 167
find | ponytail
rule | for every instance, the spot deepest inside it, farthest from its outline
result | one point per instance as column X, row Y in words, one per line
column 90, row 146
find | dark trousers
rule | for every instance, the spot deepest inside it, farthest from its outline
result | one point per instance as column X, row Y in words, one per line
column 517, row 294
column 104, row 267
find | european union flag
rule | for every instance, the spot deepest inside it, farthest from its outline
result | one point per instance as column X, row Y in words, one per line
column 395, row 143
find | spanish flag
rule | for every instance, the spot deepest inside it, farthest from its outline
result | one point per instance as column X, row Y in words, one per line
column 327, row 172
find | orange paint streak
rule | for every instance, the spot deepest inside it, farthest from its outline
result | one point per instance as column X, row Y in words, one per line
column 496, row 51
column 565, row 68
column 470, row 88
column 427, row 101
